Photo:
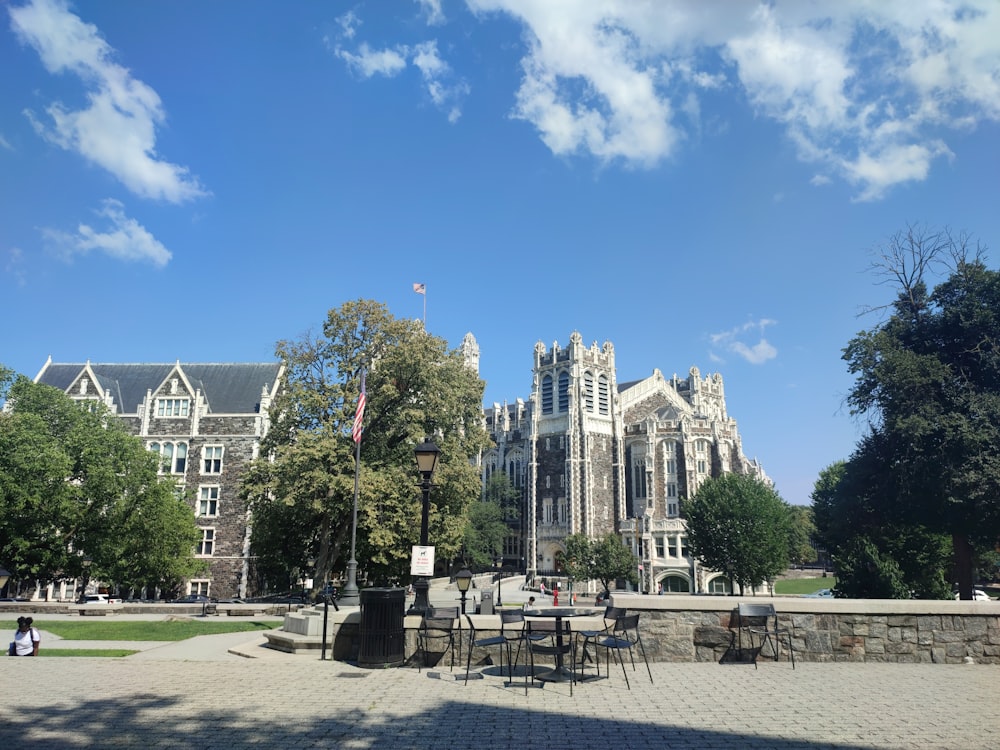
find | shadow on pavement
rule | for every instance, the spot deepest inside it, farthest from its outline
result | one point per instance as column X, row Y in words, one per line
column 150, row 721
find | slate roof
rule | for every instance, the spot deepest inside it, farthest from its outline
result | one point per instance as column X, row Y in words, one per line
column 229, row 388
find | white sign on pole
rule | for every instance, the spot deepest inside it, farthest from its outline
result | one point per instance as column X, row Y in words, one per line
column 422, row 561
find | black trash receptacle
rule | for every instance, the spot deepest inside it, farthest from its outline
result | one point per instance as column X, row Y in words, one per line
column 383, row 637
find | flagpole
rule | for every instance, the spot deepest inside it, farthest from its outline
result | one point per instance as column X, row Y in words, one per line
column 425, row 308
column 350, row 596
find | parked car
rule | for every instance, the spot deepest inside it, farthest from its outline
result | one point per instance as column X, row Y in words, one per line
column 99, row 599
column 821, row 594
column 194, row 599
column 978, row 595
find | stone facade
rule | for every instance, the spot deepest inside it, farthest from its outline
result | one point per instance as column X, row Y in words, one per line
column 591, row 455
column 206, row 421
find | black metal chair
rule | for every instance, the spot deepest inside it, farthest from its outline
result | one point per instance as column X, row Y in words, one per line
column 512, row 630
column 611, row 615
column 551, row 638
column 761, row 623
column 437, row 626
column 624, row 637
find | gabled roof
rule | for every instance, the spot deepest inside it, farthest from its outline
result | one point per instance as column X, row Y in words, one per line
column 229, row 388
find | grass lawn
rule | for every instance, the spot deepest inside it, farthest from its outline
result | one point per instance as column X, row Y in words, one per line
column 140, row 630
column 803, row 585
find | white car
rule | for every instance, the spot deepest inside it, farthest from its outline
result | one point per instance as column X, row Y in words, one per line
column 99, row 599
column 978, row 595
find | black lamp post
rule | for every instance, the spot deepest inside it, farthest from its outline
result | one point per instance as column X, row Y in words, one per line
column 463, row 579
column 427, row 455
column 499, row 562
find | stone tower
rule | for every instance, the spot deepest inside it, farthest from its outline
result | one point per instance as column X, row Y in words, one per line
column 575, row 469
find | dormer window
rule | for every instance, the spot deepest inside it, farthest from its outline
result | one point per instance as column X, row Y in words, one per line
column 172, row 407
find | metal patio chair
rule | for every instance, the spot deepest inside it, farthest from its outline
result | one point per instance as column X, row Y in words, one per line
column 761, row 623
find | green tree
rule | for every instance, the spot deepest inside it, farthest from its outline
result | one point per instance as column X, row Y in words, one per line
column 864, row 572
column 928, row 383
column 605, row 559
column 740, row 526
column 802, row 530
column 853, row 518
column 73, row 484
column 484, row 534
column 301, row 489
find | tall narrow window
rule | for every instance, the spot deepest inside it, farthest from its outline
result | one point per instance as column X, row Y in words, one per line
column 639, row 477
column 603, row 395
column 547, row 394
column 564, row 391
column 180, row 458
column 588, row 391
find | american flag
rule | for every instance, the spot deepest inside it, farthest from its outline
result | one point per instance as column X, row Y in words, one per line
column 420, row 288
column 359, row 415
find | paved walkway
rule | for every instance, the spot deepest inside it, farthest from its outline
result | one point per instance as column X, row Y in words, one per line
column 198, row 694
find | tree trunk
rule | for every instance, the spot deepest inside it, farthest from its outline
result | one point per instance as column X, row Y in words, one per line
column 962, row 551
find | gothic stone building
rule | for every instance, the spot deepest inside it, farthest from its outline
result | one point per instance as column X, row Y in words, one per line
column 206, row 421
column 591, row 455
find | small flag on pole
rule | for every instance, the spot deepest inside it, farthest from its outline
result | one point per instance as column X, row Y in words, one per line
column 359, row 415
column 420, row 288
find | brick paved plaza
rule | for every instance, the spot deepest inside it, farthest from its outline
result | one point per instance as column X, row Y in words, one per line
column 301, row 702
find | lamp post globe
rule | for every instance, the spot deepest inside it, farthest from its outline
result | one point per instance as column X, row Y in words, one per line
column 463, row 579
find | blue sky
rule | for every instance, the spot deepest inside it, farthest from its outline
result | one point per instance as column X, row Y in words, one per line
column 699, row 183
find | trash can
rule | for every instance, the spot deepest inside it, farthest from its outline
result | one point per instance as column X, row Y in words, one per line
column 383, row 637
column 486, row 606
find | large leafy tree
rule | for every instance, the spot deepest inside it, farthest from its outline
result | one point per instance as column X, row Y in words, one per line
column 740, row 526
column 605, row 559
column 928, row 382
column 75, row 484
column 301, row 489
column 800, row 547
column 867, row 539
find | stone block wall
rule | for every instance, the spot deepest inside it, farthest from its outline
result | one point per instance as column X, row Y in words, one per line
column 971, row 631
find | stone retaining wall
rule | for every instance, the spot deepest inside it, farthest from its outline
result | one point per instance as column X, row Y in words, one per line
column 688, row 628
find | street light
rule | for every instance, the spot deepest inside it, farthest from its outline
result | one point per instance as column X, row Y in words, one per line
column 463, row 579
column 427, row 456
column 499, row 562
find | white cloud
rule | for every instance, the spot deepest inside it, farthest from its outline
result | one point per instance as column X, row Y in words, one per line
column 863, row 89
column 741, row 341
column 437, row 74
column 432, row 10
column 369, row 62
column 444, row 89
column 124, row 239
column 5, row 143
column 118, row 130
column 15, row 266
column 349, row 22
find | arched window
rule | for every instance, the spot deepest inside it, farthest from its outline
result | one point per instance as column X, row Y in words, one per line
column 547, row 394
column 588, row 391
column 603, row 395
column 564, row 391
column 514, row 470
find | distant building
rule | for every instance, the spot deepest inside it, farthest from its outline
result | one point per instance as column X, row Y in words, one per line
column 594, row 456
column 206, row 422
